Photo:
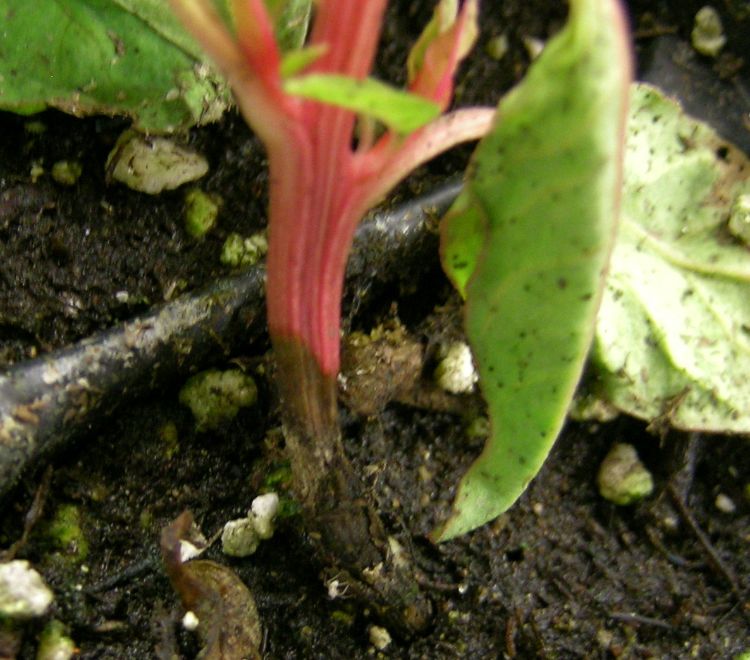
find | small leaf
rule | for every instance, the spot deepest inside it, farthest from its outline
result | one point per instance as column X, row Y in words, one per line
column 442, row 18
column 673, row 337
column 444, row 42
column 296, row 61
column 529, row 242
column 399, row 110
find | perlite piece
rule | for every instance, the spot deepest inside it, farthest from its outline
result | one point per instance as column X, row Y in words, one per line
column 622, row 478
column 238, row 251
column 67, row 172
column 54, row 643
column 241, row 537
column 201, row 211
column 455, row 371
column 707, row 36
column 23, row 593
column 380, row 638
column 215, row 397
column 153, row 164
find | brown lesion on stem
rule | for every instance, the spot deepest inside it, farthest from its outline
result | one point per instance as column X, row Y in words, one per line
column 338, row 514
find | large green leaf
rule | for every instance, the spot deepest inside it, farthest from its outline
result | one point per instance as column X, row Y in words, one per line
column 673, row 337
column 105, row 57
column 158, row 16
column 528, row 242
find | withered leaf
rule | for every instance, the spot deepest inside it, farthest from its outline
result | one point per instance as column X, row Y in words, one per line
column 228, row 627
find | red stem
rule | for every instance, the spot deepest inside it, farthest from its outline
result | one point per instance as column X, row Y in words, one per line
column 319, row 186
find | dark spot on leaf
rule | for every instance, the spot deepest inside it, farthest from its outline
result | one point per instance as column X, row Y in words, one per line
column 562, row 283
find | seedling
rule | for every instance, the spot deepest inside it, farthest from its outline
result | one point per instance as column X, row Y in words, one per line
column 337, row 142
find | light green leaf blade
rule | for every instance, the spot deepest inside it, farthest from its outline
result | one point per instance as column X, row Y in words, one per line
column 292, row 18
column 98, row 57
column 295, row 61
column 673, row 336
column 532, row 251
column 401, row 111
column 159, row 17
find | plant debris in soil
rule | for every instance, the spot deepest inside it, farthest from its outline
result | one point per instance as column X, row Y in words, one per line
column 563, row 574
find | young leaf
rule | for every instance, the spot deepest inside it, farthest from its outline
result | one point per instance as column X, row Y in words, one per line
column 401, row 111
column 529, row 243
column 672, row 338
column 445, row 41
column 296, row 61
column 442, row 19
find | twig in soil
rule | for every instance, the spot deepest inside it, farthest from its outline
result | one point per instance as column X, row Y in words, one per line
column 47, row 402
column 511, row 627
column 135, row 570
column 681, row 461
column 673, row 558
column 653, row 32
column 164, row 630
column 442, row 587
column 716, row 563
column 632, row 618
column 32, row 516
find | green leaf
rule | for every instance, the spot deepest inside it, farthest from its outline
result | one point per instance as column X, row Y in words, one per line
column 297, row 60
column 291, row 18
column 442, row 19
column 105, row 57
column 673, row 337
column 399, row 110
column 159, row 17
column 528, row 243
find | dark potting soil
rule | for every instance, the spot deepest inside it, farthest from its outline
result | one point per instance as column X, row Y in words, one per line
column 563, row 574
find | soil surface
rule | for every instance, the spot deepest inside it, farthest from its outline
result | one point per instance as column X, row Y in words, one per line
column 564, row 574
